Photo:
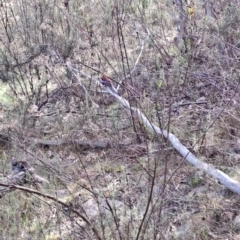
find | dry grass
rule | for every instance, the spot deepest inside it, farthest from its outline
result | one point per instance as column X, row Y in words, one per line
column 114, row 186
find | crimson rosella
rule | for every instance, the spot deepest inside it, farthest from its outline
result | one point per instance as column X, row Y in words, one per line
column 106, row 82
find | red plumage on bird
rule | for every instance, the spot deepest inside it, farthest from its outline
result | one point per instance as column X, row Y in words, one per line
column 105, row 81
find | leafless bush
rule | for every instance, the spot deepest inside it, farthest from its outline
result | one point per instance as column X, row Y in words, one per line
column 109, row 177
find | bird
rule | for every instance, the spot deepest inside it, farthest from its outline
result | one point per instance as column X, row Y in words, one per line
column 106, row 82
column 190, row 11
column 18, row 166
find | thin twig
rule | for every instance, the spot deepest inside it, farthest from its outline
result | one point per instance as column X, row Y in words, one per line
column 135, row 64
column 29, row 190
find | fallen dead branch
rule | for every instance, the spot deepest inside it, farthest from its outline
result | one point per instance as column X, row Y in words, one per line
column 130, row 149
column 223, row 178
column 81, row 144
